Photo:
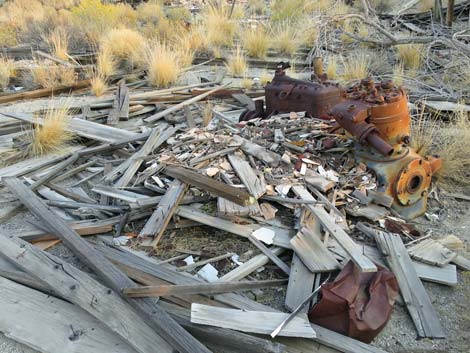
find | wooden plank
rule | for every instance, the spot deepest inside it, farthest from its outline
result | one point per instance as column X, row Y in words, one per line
column 446, row 275
column 204, row 288
column 251, row 321
column 281, row 237
column 270, row 158
column 110, row 274
column 223, row 339
column 250, row 266
column 255, row 186
column 43, row 92
column 227, row 209
column 157, row 223
column 300, row 284
column 343, row 239
column 48, row 324
column 84, row 128
column 313, row 253
column 414, row 294
column 120, row 109
column 79, row 288
column 213, row 186
column 431, row 252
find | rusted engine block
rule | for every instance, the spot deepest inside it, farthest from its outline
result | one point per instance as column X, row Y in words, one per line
column 377, row 116
column 285, row 94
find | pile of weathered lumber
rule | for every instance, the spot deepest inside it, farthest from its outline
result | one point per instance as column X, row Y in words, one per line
column 286, row 185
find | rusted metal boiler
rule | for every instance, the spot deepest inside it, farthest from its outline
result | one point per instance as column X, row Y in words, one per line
column 285, row 94
column 376, row 115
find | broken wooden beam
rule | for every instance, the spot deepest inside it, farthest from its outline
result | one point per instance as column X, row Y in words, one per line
column 255, row 185
column 157, row 223
column 204, row 288
column 237, row 195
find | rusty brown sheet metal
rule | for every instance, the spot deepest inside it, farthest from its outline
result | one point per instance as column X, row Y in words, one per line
column 356, row 304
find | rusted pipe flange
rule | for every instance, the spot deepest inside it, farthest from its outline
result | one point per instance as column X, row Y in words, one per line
column 413, row 182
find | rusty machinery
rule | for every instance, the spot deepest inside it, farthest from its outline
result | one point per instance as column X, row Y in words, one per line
column 376, row 115
column 285, row 94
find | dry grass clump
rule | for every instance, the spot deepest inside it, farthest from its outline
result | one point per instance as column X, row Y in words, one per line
column 411, row 55
column 124, row 45
column 8, row 35
column 53, row 76
column 58, row 40
column 423, row 131
column 453, row 146
column 236, row 64
column 398, row 74
column 98, row 84
column 332, row 68
column 163, row 66
column 285, row 37
column 7, row 70
column 220, row 28
column 246, row 83
column 265, row 78
column 356, row 66
column 256, row 42
column 425, row 5
column 52, row 135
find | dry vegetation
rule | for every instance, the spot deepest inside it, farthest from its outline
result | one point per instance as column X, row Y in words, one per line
column 453, row 146
column 236, row 64
column 256, row 42
column 162, row 65
column 7, row 70
column 356, row 66
column 52, row 134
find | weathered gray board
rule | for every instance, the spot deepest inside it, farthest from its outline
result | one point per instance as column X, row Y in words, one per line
column 414, row 294
column 313, row 253
column 52, row 325
column 255, row 186
column 251, row 321
column 300, row 284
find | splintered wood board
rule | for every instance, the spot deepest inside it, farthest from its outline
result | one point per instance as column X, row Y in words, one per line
column 255, row 185
column 251, row 321
column 51, row 325
column 431, row 252
column 313, row 253
column 226, row 208
column 414, row 294
column 300, row 284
